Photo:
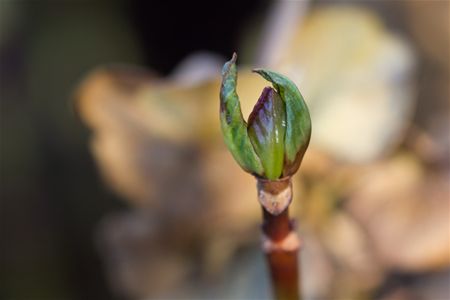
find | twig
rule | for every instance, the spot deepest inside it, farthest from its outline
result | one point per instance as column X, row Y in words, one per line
column 280, row 241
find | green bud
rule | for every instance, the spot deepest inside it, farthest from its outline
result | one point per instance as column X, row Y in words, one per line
column 298, row 121
column 266, row 129
column 274, row 142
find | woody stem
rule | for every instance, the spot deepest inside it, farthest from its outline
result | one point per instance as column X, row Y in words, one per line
column 280, row 241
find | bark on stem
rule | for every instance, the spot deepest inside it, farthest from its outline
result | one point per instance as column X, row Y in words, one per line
column 280, row 241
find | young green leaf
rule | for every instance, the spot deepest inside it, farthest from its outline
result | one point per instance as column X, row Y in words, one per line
column 234, row 128
column 298, row 121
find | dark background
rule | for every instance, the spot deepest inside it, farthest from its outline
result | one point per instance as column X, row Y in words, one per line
column 51, row 195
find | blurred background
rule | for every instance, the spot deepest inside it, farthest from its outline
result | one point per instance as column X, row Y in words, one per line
column 115, row 182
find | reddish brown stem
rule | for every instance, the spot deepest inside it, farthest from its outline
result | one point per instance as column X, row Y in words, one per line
column 280, row 243
column 276, row 227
